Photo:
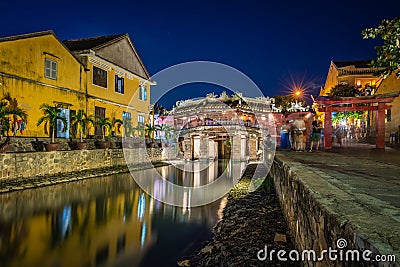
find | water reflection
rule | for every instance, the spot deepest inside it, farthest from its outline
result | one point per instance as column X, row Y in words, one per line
column 190, row 184
column 105, row 221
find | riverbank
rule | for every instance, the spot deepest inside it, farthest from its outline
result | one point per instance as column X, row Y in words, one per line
column 250, row 222
column 9, row 185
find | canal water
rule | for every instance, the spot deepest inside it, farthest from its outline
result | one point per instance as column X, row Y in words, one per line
column 103, row 221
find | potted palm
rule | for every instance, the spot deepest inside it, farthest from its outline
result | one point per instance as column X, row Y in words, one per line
column 80, row 121
column 105, row 125
column 50, row 117
column 7, row 110
column 149, row 132
column 167, row 133
column 10, row 110
column 116, row 124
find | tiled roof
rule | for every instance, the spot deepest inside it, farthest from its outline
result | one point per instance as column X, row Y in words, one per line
column 89, row 43
column 26, row 35
column 356, row 63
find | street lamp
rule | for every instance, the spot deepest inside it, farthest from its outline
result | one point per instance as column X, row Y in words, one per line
column 298, row 93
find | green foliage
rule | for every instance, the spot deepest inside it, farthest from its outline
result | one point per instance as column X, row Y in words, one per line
column 117, row 123
column 104, row 124
column 389, row 53
column 128, row 128
column 50, row 116
column 342, row 116
column 285, row 101
column 80, row 120
column 10, row 111
column 344, row 90
column 139, row 130
column 149, row 130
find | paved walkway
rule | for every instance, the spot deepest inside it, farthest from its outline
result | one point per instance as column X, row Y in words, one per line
column 360, row 183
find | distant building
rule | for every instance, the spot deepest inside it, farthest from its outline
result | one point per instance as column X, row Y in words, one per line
column 392, row 127
column 357, row 73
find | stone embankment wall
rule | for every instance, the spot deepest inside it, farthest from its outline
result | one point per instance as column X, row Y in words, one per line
column 31, row 164
column 312, row 224
column 28, row 144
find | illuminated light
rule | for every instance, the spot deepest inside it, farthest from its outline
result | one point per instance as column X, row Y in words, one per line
column 141, row 206
column 358, row 83
column 143, row 235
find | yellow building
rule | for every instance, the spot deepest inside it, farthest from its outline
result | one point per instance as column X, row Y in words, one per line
column 118, row 84
column 37, row 68
column 103, row 76
column 357, row 73
column 392, row 127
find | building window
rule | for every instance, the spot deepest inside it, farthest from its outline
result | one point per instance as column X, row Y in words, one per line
column 101, row 112
column 126, row 115
column 143, row 92
column 50, row 69
column 99, row 77
column 119, row 84
column 140, row 119
column 388, row 115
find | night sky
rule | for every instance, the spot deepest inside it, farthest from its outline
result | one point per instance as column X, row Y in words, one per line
column 275, row 43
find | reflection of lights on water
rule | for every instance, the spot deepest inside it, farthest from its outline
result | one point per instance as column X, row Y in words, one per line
column 143, row 234
column 221, row 208
column 141, row 206
column 184, row 202
column 151, row 206
column 65, row 220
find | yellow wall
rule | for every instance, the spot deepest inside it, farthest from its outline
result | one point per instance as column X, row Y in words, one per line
column 22, row 75
column 391, row 84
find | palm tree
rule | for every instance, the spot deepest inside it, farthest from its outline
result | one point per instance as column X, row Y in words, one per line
column 9, row 107
column 104, row 124
column 149, row 130
column 80, row 120
column 50, row 117
column 117, row 123
column 128, row 128
column 140, row 129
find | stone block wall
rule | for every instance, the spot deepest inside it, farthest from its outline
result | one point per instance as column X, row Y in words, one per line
column 31, row 164
column 25, row 144
column 312, row 225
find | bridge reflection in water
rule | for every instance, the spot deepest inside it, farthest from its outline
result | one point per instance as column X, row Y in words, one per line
column 104, row 221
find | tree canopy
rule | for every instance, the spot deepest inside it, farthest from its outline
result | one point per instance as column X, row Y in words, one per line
column 344, row 90
column 388, row 60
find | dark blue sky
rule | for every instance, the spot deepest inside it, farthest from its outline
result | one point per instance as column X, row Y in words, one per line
column 273, row 42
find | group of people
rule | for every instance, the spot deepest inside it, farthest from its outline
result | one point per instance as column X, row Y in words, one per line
column 294, row 135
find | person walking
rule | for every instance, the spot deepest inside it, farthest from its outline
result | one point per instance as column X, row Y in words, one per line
column 285, row 131
column 315, row 136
